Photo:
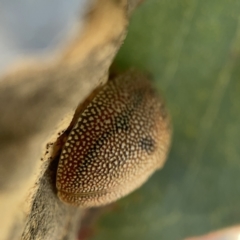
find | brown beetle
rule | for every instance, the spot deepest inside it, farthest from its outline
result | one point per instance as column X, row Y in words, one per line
column 120, row 138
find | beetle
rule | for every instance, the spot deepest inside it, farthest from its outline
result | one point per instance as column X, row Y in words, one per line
column 119, row 139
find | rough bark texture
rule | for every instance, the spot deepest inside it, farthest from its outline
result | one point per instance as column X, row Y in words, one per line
column 33, row 103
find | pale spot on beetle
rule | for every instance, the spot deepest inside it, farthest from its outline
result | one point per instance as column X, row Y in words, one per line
column 76, row 137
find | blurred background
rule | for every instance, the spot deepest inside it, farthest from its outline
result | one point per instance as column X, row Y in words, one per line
column 192, row 50
column 37, row 28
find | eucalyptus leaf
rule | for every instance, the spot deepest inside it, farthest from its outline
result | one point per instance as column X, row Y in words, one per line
column 192, row 50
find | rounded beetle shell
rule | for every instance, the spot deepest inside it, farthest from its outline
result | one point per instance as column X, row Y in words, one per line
column 121, row 137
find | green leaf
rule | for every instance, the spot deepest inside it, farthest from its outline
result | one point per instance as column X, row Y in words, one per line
column 192, row 49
